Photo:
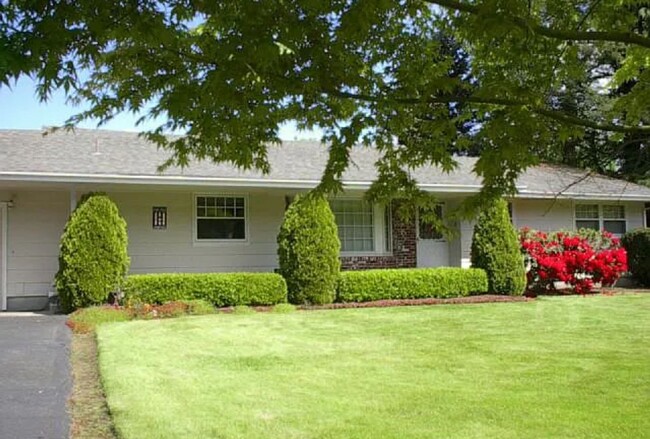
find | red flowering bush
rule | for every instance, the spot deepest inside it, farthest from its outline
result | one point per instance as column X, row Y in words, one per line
column 578, row 259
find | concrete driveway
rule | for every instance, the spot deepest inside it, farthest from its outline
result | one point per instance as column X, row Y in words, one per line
column 34, row 376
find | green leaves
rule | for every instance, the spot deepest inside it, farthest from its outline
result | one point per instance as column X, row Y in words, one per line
column 228, row 74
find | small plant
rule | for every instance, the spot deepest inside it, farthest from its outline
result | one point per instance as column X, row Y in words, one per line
column 495, row 249
column 86, row 320
column 93, row 259
column 578, row 259
column 284, row 308
column 308, row 250
column 637, row 244
column 243, row 309
column 199, row 307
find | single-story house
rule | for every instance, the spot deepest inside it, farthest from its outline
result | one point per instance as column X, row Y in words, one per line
column 212, row 217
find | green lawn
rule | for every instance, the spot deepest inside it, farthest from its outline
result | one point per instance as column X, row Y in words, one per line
column 555, row 367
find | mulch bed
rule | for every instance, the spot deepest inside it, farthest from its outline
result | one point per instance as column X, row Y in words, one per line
column 486, row 298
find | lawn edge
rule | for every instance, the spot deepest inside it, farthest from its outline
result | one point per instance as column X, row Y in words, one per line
column 87, row 406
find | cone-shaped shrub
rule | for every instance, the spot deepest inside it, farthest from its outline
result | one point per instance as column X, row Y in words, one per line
column 308, row 250
column 495, row 248
column 93, row 259
column 637, row 244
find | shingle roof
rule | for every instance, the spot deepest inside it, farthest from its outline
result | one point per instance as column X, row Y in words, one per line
column 97, row 155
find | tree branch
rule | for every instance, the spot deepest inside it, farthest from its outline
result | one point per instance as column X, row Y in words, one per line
column 557, row 115
column 554, row 33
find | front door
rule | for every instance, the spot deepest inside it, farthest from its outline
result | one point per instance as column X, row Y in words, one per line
column 432, row 247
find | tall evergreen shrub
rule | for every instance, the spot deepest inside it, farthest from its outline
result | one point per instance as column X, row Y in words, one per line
column 308, row 250
column 637, row 245
column 93, row 259
column 495, row 248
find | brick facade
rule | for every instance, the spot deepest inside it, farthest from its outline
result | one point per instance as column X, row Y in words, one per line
column 404, row 248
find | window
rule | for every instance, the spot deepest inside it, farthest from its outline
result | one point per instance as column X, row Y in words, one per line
column 355, row 221
column 647, row 215
column 220, row 218
column 363, row 227
column 427, row 229
column 601, row 217
column 614, row 219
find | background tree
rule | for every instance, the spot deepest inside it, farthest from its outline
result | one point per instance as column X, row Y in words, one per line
column 227, row 74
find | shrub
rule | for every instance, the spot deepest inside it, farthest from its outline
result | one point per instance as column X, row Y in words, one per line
column 284, row 308
column 93, row 257
column 308, row 250
column 243, row 309
column 579, row 259
column 410, row 283
column 220, row 289
column 495, row 249
column 637, row 244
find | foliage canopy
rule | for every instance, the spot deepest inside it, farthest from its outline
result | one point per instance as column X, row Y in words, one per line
column 228, row 74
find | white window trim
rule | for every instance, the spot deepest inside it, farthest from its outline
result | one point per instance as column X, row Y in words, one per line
column 219, row 242
column 417, row 223
column 601, row 219
column 378, row 211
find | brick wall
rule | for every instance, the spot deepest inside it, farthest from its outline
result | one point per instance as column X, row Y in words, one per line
column 404, row 249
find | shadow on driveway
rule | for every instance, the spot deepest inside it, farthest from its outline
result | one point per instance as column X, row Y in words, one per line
column 34, row 376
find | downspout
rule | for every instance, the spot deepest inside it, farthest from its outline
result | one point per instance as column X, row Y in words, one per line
column 3, row 253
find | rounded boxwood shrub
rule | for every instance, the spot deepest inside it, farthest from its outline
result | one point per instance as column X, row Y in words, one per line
column 637, row 245
column 93, row 259
column 495, row 248
column 308, row 250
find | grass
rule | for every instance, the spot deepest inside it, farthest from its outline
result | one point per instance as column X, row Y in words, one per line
column 555, row 367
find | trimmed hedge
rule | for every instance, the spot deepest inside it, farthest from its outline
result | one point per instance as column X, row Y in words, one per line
column 410, row 283
column 308, row 251
column 496, row 249
column 221, row 289
column 637, row 245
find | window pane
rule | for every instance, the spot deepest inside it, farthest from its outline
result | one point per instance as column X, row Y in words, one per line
column 615, row 227
column 647, row 214
column 221, row 229
column 614, row 212
column 592, row 224
column 588, row 211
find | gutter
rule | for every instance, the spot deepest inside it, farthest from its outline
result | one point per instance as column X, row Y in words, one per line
column 247, row 182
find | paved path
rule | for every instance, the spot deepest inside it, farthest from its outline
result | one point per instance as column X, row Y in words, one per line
column 34, row 376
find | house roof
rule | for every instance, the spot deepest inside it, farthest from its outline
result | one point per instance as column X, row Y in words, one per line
column 123, row 157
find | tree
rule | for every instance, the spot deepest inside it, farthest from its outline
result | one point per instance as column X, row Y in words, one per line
column 227, row 74
column 93, row 259
column 308, row 250
column 495, row 248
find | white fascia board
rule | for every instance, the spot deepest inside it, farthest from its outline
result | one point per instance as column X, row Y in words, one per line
column 179, row 180
column 583, row 196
